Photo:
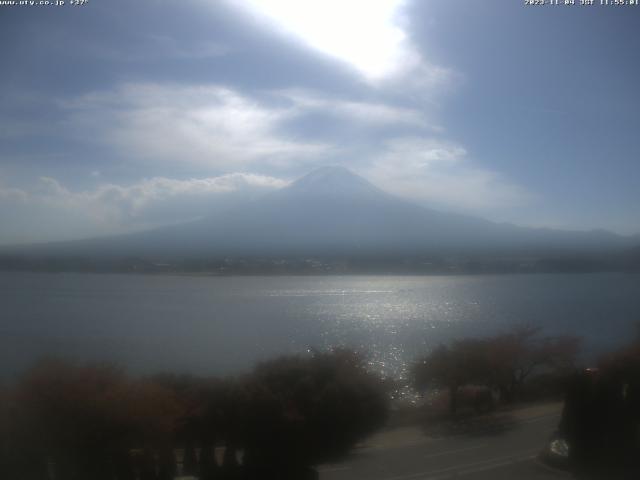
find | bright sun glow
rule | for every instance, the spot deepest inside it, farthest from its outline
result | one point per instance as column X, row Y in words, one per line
column 362, row 33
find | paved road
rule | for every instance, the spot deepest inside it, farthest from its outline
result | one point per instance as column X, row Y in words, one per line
column 406, row 454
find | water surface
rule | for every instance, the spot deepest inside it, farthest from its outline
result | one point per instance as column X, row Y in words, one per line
column 223, row 325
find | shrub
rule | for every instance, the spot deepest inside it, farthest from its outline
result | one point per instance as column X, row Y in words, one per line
column 306, row 410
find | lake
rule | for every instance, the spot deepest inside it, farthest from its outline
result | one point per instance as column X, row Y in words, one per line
column 220, row 325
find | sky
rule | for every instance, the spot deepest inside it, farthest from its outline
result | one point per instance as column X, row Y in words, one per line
column 118, row 116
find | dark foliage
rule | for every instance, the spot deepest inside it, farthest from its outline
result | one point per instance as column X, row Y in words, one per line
column 601, row 417
column 95, row 422
column 303, row 410
column 503, row 362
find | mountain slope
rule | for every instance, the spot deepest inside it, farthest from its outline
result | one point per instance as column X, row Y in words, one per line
column 332, row 211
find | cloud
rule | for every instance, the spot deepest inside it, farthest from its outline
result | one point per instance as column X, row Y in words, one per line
column 111, row 208
column 438, row 173
column 151, row 47
column 8, row 194
column 363, row 113
column 167, row 47
column 216, row 128
column 369, row 36
column 209, row 125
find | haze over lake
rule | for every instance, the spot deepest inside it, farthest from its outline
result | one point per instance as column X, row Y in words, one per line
column 222, row 325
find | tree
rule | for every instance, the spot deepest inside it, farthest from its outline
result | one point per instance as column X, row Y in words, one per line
column 95, row 422
column 301, row 411
column 72, row 414
column 504, row 362
column 88, row 418
column 601, row 416
column 514, row 357
column 451, row 367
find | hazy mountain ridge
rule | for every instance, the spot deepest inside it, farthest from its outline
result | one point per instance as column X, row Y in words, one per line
column 333, row 212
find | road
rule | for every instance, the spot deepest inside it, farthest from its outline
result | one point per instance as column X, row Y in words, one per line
column 506, row 452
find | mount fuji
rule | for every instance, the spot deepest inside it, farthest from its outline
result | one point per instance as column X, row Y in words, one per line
column 332, row 211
